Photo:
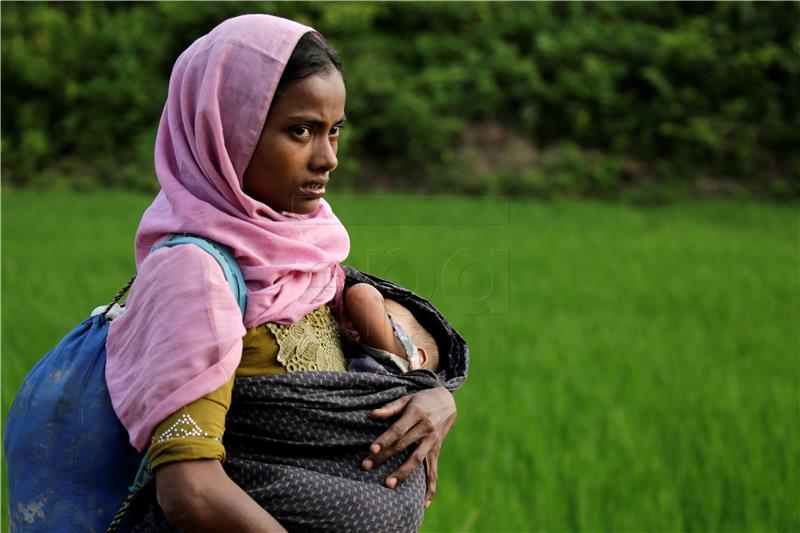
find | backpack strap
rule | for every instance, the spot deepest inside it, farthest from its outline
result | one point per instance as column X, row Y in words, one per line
column 223, row 255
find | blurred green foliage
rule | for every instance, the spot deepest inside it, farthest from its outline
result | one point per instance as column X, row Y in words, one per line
column 500, row 98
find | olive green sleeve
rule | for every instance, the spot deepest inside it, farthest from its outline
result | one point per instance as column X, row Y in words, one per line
column 192, row 432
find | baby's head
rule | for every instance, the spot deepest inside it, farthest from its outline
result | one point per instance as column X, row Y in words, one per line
column 424, row 341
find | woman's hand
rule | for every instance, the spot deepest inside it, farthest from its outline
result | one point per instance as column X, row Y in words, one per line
column 199, row 496
column 426, row 418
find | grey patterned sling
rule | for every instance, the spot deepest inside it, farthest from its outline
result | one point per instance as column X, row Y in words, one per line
column 295, row 441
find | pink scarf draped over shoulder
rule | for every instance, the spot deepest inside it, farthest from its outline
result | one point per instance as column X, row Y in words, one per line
column 181, row 335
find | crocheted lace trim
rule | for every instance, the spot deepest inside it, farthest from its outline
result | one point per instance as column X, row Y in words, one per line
column 311, row 343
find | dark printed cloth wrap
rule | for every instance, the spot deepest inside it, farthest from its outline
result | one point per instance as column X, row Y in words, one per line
column 295, row 441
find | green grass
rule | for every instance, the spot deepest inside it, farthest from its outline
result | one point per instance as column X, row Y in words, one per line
column 632, row 370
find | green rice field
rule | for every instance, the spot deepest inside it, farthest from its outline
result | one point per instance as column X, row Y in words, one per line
column 632, row 369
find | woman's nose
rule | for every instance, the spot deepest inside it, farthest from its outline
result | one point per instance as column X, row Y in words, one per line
column 324, row 158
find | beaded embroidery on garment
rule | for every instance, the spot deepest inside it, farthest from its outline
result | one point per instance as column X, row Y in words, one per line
column 310, row 344
column 183, row 428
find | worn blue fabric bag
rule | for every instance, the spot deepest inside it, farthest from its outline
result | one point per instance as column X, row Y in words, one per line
column 68, row 456
column 69, row 460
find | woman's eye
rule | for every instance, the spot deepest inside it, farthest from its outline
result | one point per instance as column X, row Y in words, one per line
column 302, row 132
column 336, row 130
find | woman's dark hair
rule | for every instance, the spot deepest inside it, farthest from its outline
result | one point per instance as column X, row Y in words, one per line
column 312, row 55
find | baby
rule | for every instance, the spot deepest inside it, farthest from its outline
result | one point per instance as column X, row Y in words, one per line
column 391, row 339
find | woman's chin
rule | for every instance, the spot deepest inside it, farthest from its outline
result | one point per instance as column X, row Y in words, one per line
column 304, row 206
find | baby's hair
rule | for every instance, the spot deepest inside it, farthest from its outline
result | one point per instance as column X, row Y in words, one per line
column 312, row 55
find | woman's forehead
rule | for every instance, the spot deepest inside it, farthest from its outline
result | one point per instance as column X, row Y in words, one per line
column 318, row 97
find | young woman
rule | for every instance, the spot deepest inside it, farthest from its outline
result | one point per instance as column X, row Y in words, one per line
column 245, row 148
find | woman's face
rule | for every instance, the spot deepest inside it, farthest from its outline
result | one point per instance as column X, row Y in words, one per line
column 297, row 149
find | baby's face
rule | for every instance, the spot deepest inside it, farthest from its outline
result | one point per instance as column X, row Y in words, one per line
column 406, row 320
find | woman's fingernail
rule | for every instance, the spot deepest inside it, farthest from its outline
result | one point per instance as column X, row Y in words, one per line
column 375, row 448
column 367, row 464
column 391, row 482
column 427, row 503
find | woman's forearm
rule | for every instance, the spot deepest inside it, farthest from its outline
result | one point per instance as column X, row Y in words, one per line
column 198, row 496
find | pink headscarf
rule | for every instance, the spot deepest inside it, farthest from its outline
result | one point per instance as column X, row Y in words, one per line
column 181, row 336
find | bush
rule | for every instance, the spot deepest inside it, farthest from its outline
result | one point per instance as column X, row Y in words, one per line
column 682, row 91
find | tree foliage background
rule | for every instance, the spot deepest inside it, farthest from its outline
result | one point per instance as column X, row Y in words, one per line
column 535, row 99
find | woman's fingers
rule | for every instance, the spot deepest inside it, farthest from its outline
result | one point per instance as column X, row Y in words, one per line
column 399, row 434
column 412, row 463
column 397, row 440
column 432, row 474
column 391, row 409
column 393, row 433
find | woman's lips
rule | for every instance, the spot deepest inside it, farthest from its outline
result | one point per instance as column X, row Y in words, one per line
column 313, row 189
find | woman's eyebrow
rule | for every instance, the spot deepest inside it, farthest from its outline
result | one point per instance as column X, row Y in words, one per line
column 312, row 120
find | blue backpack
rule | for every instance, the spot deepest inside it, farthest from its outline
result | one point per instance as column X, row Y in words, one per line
column 68, row 455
